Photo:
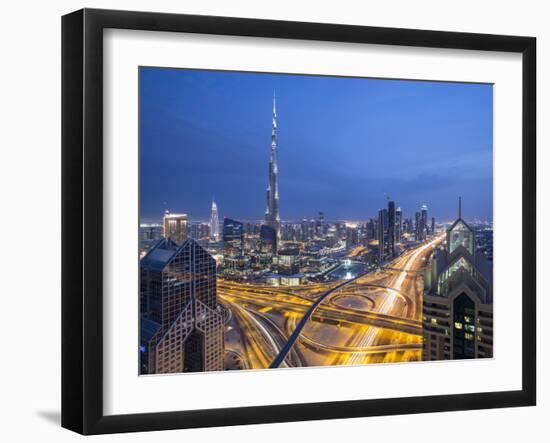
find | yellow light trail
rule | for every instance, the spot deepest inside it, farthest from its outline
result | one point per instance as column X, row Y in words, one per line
column 366, row 343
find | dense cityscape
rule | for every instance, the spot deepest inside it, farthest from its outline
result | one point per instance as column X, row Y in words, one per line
column 228, row 293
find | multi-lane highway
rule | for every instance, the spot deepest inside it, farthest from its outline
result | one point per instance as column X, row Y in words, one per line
column 399, row 278
column 375, row 317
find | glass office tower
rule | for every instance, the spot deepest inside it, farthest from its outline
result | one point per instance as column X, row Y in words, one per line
column 181, row 320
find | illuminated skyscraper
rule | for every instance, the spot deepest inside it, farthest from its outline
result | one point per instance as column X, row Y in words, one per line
column 421, row 223
column 382, row 228
column 424, row 221
column 320, row 225
column 398, row 224
column 370, row 230
column 352, row 236
column 458, row 299
column 272, row 217
column 214, row 223
column 391, row 228
column 417, row 226
column 176, row 227
column 268, row 240
column 181, row 322
column 233, row 237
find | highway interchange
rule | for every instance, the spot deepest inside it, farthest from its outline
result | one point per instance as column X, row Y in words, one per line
column 372, row 318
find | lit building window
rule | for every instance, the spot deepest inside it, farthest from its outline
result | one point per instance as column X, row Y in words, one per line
column 461, row 263
column 461, row 235
column 458, row 325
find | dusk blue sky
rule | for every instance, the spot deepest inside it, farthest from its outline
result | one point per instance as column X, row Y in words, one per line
column 344, row 143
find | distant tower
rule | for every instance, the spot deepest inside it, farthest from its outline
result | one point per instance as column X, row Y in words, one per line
column 398, row 224
column 417, row 226
column 382, row 233
column 272, row 217
column 176, row 227
column 321, row 225
column 233, row 238
column 391, row 228
column 268, row 240
column 424, row 221
column 214, row 223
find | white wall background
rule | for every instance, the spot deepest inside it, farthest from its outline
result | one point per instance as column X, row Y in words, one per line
column 30, row 92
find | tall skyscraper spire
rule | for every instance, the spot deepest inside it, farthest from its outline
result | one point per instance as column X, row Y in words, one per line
column 214, row 223
column 272, row 217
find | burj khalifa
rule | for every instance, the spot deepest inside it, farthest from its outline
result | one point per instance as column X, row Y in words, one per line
column 272, row 217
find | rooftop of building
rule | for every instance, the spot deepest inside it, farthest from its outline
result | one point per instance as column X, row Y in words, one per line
column 162, row 253
column 170, row 215
column 148, row 328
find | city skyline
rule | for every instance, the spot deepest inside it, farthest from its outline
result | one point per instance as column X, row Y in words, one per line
column 347, row 266
column 344, row 197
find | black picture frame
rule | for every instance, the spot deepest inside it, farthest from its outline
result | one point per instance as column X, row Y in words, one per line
column 82, row 220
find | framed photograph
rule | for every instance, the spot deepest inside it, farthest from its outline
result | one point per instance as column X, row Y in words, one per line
column 268, row 221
